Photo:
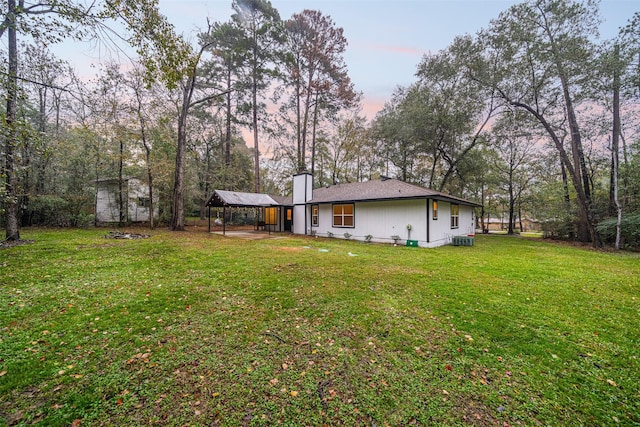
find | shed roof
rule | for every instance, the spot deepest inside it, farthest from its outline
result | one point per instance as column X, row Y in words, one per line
column 221, row 198
column 383, row 189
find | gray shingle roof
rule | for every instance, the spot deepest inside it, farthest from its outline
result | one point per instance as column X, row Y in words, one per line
column 283, row 200
column 384, row 189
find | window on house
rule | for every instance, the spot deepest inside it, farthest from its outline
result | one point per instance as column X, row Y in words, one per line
column 435, row 209
column 343, row 215
column 270, row 216
column 144, row 202
column 315, row 211
column 455, row 215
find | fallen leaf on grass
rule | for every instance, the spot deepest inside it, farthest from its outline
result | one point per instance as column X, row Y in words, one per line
column 293, row 393
column 76, row 423
column 612, row 383
column 3, row 373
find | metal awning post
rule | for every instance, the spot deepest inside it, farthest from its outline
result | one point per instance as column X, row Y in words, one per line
column 209, row 218
column 224, row 220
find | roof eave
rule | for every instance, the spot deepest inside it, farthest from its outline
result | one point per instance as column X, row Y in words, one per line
column 384, row 199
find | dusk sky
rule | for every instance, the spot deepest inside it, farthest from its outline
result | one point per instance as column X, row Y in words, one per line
column 387, row 38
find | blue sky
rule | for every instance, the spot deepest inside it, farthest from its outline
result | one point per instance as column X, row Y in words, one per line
column 387, row 38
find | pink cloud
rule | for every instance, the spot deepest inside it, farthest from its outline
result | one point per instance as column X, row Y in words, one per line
column 371, row 106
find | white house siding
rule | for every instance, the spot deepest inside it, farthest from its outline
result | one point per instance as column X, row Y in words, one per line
column 467, row 221
column 382, row 220
column 441, row 231
column 299, row 226
column 378, row 219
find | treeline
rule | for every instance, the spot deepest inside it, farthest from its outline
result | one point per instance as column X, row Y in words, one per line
column 534, row 116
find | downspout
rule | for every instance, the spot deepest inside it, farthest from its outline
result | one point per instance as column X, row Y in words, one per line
column 305, row 203
column 428, row 222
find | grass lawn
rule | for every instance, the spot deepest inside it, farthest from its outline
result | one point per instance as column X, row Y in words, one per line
column 198, row 329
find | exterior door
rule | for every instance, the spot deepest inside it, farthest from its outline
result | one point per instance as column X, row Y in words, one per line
column 288, row 218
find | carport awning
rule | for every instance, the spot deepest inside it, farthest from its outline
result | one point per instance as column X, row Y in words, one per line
column 222, row 198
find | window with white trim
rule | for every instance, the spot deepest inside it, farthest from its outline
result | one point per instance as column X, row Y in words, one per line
column 315, row 217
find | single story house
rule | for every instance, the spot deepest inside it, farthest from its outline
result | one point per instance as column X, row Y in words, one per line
column 382, row 210
column 135, row 200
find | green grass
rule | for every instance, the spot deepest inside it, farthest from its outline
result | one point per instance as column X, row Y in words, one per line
column 197, row 329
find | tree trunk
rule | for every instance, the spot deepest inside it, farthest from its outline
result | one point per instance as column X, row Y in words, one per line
column 302, row 165
column 578, row 173
column 12, row 230
column 227, row 136
column 587, row 223
column 152, row 205
column 511, row 205
column 298, row 124
column 482, row 212
column 520, row 218
column 177, row 207
column 313, row 137
column 256, row 148
column 122, row 216
column 615, row 143
column 584, row 203
column 147, row 150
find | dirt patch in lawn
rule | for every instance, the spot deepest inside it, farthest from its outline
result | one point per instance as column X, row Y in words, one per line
column 288, row 249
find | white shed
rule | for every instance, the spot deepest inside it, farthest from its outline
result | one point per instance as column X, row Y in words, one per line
column 135, row 200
